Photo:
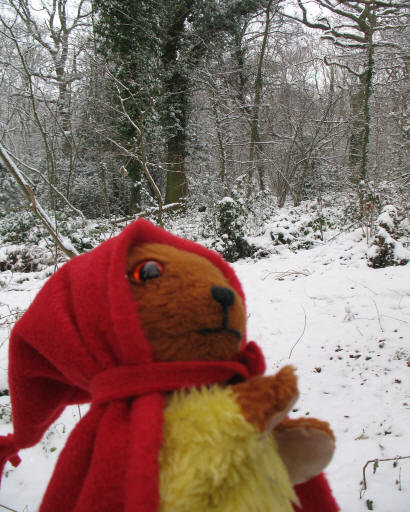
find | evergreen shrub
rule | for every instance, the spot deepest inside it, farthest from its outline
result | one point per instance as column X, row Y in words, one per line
column 23, row 228
column 230, row 229
column 20, row 227
column 300, row 227
column 24, row 258
column 386, row 249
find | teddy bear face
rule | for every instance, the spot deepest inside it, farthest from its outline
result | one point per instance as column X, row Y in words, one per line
column 187, row 308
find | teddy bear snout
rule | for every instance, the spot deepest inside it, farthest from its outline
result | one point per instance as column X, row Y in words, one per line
column 223, row 295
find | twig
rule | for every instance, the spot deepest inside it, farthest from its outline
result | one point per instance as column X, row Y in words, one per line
column 342, row 231
column 398, row 319
column 364, row 286
column 301, row 336
column 290, row 272
column 376, row 461
column 378, row 314
column 8, row 508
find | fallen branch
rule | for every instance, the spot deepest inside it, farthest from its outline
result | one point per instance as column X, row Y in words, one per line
column 8, row 508
column 35, row 206
column 375, row 463
column 55, row 190
column 149, row 211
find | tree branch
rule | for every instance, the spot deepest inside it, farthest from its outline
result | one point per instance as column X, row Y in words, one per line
column 61, row 242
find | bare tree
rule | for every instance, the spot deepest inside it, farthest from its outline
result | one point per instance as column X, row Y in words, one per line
column 53, row 26
column 356, row 28
column 46, row 54
column 269, row 11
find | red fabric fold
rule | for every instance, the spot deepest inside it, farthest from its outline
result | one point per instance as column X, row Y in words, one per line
column 316, row 496
column 81, row 340
column 8, row 452
column 145, row 441
column 252, row 357
column 138, row 380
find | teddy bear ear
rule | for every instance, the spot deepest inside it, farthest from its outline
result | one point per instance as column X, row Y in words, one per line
column 306, row 448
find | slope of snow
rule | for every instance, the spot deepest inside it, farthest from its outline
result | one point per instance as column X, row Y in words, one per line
column 346, row 329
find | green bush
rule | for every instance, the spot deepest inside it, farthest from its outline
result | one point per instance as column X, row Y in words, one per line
column 230, row 229
column 386, row 249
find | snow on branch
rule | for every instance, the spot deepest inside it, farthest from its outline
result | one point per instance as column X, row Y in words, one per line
column 62, row 242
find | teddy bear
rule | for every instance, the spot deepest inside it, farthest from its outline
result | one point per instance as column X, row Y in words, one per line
column 150, row 329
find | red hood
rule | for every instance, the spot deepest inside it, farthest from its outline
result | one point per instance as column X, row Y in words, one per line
column 87, row 307
column 81, row 338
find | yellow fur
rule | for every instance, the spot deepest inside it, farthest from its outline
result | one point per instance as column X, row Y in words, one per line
column 213, row 460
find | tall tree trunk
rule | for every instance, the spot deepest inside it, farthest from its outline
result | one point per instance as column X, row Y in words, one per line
column 254, row 139
column 177, row 185
column 367, row 92
column 356, row 134
column 176, row 91
column 135, row 175
column 360, row 108
column 221, row 147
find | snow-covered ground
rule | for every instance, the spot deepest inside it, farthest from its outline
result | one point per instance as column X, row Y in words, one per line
column 344, row 326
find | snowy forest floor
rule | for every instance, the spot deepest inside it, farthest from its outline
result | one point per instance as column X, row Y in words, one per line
column 346, row 329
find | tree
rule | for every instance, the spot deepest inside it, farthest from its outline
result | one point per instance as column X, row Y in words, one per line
column 176, row 36
column 254, row 135
column 127, row 36
column 355, row 27
column 45, row 63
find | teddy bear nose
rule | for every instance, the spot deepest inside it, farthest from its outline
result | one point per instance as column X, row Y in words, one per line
column 224, row 296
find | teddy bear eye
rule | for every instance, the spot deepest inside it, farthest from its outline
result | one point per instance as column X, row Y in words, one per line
column 145, row 270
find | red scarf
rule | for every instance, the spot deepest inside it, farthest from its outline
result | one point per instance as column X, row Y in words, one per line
column 81, row 341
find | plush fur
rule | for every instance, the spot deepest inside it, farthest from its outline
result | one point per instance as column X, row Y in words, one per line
column 212, row 460
column 174, row 307
column 268, row 399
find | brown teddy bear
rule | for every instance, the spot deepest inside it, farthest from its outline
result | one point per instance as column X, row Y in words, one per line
column 150, row 329
column 190, row 312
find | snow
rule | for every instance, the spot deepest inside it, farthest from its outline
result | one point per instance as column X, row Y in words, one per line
column 227, row 200
column 346, row 329
column 385, row 219
column 351, row 358
column 400, row 252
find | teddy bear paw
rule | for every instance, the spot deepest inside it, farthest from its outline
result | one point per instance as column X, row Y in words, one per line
column 265, row 401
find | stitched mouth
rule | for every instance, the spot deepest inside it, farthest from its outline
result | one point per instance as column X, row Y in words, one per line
column 224, row 327
column 207, row 330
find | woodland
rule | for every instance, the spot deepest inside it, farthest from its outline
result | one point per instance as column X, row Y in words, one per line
column 113, row 109
column 273, row 131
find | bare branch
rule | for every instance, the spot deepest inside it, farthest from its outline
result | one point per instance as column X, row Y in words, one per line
column 40, row 174
column 35, row 206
